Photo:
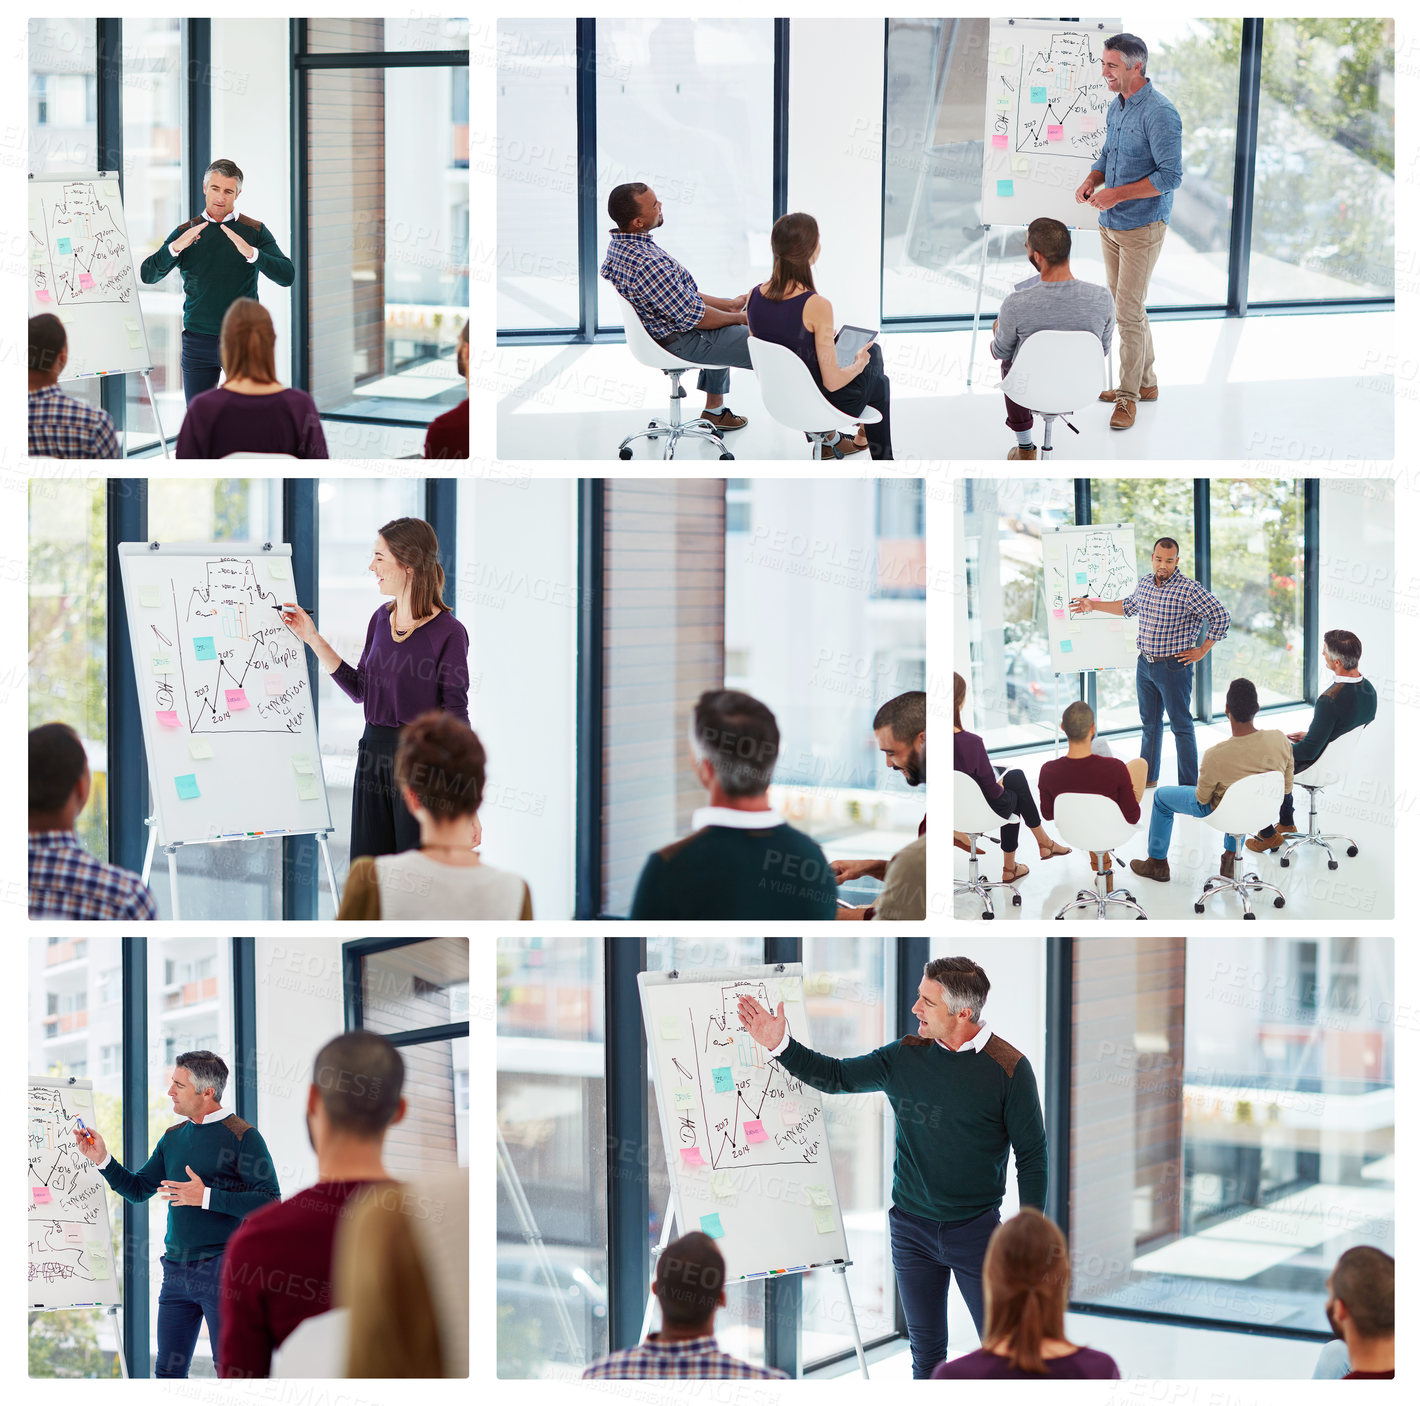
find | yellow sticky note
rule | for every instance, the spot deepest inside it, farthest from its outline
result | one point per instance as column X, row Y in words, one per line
column 818, row 1196
column 111, row 189
column 1020, row 165
column 823, row 1219
column 135, row 334
column 150, row 597
column 670, row 1028
column 307, row 788
column 199, row 747
column 301, row 764
column 278, row 570
column 721, row 1186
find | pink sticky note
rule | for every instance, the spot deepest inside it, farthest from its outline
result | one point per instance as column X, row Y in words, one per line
column 1058, row 614
column 167, row 718
column 86, row 280
column 1088, row 123
column 237, row 699
column 42, row 295
column 754, row 1130
column 691, row 1157
column 274, row 686
column 42, row 1196
column 999, row 140
column 74, row 1235
column 1054, row 132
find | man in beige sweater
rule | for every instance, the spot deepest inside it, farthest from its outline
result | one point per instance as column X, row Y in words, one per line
column 1247, row 752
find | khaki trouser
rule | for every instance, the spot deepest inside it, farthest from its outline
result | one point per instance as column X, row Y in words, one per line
column 1129, row 259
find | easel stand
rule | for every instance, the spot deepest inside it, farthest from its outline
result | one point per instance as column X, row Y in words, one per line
column 527, row 1223
column 115, row 1311
column 171, row 850
column 842, row 1269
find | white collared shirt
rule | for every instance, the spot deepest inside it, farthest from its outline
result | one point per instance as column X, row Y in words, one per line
column 735, row 819
column 216, row 1116
column 211, row 221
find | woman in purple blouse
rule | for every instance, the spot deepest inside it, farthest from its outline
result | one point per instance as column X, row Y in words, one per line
column 1026, row 1279
column 415, row 660
column 1009, row 796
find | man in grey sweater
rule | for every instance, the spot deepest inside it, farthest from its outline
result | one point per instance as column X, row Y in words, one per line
column 1055, row 301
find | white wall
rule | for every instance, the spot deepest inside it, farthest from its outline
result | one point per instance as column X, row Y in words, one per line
column 251, row 125
column 300, row 1005
column 835, row 156
column 517, row 579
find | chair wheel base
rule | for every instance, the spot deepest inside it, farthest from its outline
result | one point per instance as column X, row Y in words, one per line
column 1197, row 907
column 1141, row 919
column 1015, row 900
column 1333, row 864
column 1279, row 902
column 1351, row 851
column 1284, row 862
column 1249, row 917
column 727, row 455
column 987, row 917
column 625, row 453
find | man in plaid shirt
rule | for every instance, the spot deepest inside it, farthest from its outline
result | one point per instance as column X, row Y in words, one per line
column 60, row 426
column 690, row 1280
column 1172, row 608
column 65, row 880
column 685, row 321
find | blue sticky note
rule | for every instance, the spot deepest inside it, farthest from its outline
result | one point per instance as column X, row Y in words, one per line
column 1037, row 95
column 187, row 787
column 65, row 247
column 1005, row 188
column 204, row 648
column 724, row 1081
column 711, row 1226
column 1066, row 647
column 1081, row 578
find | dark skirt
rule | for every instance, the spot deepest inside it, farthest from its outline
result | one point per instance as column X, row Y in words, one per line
column 380, row 822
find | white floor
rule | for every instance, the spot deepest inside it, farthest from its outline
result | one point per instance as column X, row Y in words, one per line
column 1283, row 388
column 1362, row 887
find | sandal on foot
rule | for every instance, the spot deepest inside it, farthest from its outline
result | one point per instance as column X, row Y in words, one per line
column 1017, row 871
column 1055, row 848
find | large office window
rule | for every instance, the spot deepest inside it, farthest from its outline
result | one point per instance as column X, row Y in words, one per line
column 1324, row 222
column 75, row 1014
column 68, row 620
column 552, row 1212
column 537, row 173
column 385, row 193
column 1232, row 1125
column 63, row 94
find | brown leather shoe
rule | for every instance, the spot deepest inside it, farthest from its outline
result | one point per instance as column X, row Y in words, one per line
column 1146, row 393
column 1228, row 865
column 1156, row 869
column 724, row 419
column 1021, row 452
column 1123, row 417
column 1260, row 846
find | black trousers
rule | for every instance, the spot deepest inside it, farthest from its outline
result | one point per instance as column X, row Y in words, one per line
column 201, row 362
column 1015, row 799
column 380, row 822
column 869, row 387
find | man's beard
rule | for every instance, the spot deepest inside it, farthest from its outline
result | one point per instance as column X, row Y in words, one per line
column 915, row 770
column 1335, row 1326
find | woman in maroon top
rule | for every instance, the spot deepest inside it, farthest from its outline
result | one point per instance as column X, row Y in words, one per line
column 447, row 437
column 415, row 660
column 1026, row 1278
column 1011, row 795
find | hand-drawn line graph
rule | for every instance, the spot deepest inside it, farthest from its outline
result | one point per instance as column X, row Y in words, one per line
column 1109, row 574
column 66, row 1227
column 244, row 646
column 86, row 249
column 1068, row 70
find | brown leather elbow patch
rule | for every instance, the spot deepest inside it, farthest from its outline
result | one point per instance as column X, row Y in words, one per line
column 1007, row 1056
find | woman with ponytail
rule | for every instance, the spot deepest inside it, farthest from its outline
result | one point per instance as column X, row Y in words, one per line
column 1026, row 1278
column 788, row 309
column 415, row 661
column 251, row 412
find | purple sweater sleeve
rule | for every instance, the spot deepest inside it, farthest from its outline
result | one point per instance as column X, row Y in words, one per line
column 972, row 759
column 453, row 674
column 351, row 682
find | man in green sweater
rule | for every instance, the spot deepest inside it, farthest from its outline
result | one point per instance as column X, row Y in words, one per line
column 212, row 1169
column 216, row 271
column 1349, row 703
column 964, row 1099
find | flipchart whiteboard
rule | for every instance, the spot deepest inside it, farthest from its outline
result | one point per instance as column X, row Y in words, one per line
column 765, row 1191
column 223, row 690
column 1097, row 561
column 81, row 270
column 70, row 1235
column 1046, row 102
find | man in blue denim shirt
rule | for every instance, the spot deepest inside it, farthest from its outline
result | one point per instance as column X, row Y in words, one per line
column 1131, row 184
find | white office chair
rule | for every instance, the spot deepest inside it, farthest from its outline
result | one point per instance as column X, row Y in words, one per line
column 649, row 352
column 1055, row 374
column 971, row 814
column 1247, row 806
column 1096, row 824
column 792, row 397
column 1329, row 769
column 253, row 454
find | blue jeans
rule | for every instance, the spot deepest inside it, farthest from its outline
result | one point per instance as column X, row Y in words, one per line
column 201, row 362
column 188, row 1295
column 924, row 1254
column 1170, row 801
column 1167, row 686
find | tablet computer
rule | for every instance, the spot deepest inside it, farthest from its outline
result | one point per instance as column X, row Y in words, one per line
column 850, row 341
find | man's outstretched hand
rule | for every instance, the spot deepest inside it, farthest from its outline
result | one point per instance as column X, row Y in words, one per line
column 764, row 1028
column 243, row 248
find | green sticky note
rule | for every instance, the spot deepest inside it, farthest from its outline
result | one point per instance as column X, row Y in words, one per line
column 1065, row 647
column 307, row 788
column 670, row 1028
column 187, row 787
column 1020, row 165
column 204, row 647
column 823, row 1219
column 724, row 1080
column 721, row 1186
column 1003, row 100
column 301, row 764
column 818, row 1195
column 149, row 597
column 135, row 335
column 1037, row 95
column 97, row 1262
column 65, row 247
column 1005, row 188
column 199, row 747
column 684, row 1098
column 162, row 664
column 711, row 1225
